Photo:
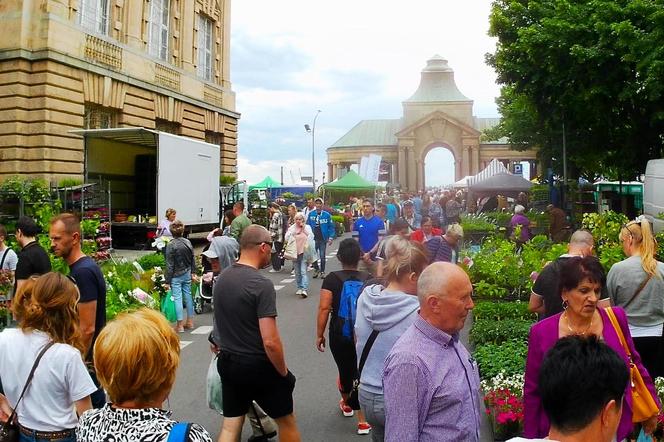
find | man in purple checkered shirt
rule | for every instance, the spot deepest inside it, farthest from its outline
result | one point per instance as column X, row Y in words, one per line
column 430, row 381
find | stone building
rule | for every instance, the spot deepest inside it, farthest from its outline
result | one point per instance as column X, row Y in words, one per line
column 72, row 64
column 436, row 115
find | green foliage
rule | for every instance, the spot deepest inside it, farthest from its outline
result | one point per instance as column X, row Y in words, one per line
column 477, row 223
column 89, row 227
column 69, row 182
column 289, row 196
column 149, row 262
column 29, row 189
column 502, row 311
column 501, row 219
column 594, row 66
column 226, row 180
column 496, row 332
column 605, row 227
column 660, row 246
column 488, row 290
column 510, row 357
column 309, row 195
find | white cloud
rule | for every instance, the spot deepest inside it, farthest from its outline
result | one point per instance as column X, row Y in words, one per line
column 352, row 59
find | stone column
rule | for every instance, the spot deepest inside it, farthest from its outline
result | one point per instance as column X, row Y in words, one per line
column 412, row 169
column 330, row 172
column 401, row 167
column 465, row 167
column 476, row 161
column 134, row 23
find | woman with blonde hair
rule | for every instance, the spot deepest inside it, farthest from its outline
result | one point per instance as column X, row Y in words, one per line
column 384, row 312
column 180, row 266
column 637, row 285
column 137, row 390
column 164, row 227
column 45, row 308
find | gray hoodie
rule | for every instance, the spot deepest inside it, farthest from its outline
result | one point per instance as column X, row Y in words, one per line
column 388, row 312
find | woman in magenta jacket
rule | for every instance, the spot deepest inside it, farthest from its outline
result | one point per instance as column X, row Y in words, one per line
column 580, row 285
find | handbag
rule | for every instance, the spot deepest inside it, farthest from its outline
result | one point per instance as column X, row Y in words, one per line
column 353, row 400
column 643, row 404
column 290, row 251
column 9, row 430
column 214, row 397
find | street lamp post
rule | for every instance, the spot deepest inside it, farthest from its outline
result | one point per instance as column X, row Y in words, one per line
column 312, row 131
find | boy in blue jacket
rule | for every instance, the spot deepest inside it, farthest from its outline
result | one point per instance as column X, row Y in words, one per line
column 322, row 225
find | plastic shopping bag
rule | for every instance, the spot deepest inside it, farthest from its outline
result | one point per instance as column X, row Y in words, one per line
column 214, row 387
column 168, row 307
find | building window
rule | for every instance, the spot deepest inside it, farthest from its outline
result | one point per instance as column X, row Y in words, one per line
column 214, row 138
column 167, row 126
column 93, row 15
column 158, row 40
column 98, row 117
column 205, row 51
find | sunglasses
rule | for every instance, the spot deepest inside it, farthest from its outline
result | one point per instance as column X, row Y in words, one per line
column 269, row 243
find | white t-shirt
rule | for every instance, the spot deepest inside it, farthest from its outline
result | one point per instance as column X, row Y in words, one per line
column 11, row 259
column 60, row 380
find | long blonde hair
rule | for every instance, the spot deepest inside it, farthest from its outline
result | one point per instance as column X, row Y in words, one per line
column 48, row 303
column 642, row 235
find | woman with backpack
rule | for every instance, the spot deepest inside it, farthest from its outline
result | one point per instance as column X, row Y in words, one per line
column 384, row 312
column 338, row 302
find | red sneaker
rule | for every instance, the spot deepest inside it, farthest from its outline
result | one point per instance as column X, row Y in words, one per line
column 345, row 409
column 363, row 428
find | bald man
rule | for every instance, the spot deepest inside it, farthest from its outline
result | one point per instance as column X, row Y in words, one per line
column 430, row 381
column 545, row 297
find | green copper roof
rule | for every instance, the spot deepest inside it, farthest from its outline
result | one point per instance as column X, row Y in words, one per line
column 370, row 133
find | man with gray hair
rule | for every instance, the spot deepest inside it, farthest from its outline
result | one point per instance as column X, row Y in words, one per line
column 430, row 381
column 545, row 297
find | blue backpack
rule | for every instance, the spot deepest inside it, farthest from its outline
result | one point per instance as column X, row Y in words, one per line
column 350, row 291
column 179, row 432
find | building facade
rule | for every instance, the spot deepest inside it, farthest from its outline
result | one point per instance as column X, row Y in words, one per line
column 436, row 115
column 92, row 64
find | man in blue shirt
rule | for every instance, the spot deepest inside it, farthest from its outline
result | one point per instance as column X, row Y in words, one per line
column 367, row 228
column 322, row 225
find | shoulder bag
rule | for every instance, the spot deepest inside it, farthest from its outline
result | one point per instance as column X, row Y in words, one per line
column 353, row 397
column 9, row 430
column 638, row 290
column 179, row 432
column 643, row 404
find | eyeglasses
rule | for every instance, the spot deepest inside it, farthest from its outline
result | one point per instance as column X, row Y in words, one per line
column 269, row 243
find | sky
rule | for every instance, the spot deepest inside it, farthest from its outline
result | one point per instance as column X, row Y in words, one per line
column 351, row 59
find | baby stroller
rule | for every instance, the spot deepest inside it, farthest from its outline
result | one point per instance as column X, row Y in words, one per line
column 203, row 294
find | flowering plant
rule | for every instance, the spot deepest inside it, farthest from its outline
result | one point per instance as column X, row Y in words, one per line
column 504, row 404
column 159, row 281
column 6, row 283
column 144, row 298
column 161, row 242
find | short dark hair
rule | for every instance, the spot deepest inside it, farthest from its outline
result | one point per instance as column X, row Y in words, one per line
column 349, row 252
column 575, row 269
column 399, row 224
column 253, row 235
column 578, row 377
column 229, row 215
column 71, row 222
column 368, row 200
column 424, row 219
column 27, row 226
column 239, row 205
column 275, row 206
column 3, row 231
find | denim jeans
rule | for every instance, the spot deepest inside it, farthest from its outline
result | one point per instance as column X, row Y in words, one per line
column 301, row 272
column 181, row 286
column 321, row 247
column 373, row 407
column 23, row 438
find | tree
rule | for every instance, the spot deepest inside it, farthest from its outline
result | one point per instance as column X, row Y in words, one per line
column 596, row 67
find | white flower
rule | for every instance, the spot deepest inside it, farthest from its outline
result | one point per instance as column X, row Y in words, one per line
column 514, row 383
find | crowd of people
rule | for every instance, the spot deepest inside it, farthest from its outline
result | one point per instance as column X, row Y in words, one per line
column 391, row 318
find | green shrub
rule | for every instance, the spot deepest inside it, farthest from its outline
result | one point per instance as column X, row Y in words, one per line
column 477, row 223
column 509, row 357
column 149, row 262
column 489, row 331
column 226, row 180
column 69, row 182
column 501, row 311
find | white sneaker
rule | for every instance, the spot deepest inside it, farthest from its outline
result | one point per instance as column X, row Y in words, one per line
column 273, row 271
column 299, row 291
column 303, row 293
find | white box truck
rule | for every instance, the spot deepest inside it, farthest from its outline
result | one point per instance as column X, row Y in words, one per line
column 653, row 192
column 147, row 172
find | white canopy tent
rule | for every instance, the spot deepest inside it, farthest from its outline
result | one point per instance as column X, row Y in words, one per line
column 495, row 167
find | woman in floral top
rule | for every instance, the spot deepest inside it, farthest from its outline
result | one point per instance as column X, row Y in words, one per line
column 137, row 391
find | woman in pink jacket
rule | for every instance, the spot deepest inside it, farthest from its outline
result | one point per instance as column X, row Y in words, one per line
column 580, row 286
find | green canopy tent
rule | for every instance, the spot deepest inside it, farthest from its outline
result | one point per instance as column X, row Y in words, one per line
column 350, row 184
column 267, row 183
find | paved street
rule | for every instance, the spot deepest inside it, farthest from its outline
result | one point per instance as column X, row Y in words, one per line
column 316, row 396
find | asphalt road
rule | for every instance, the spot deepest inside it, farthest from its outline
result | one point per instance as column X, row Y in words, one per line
column 316, row 396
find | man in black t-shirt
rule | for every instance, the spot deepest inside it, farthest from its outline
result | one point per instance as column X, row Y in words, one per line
column 545, row 297
column 32, row 259
column 252, row 364
column 65, row 234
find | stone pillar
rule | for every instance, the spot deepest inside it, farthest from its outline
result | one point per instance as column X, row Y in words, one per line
column 412, row 169
column 330, row 172
column 134, row 24
column 401, row 167
column 466, row 161
column 475, row 165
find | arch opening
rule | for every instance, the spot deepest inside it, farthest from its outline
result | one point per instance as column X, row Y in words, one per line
column 439, row 167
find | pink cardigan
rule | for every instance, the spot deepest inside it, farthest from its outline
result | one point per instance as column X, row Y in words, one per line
column 543, row 336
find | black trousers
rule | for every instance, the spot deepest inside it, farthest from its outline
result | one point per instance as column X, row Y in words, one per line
column 276, row 255
column 651, row 350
